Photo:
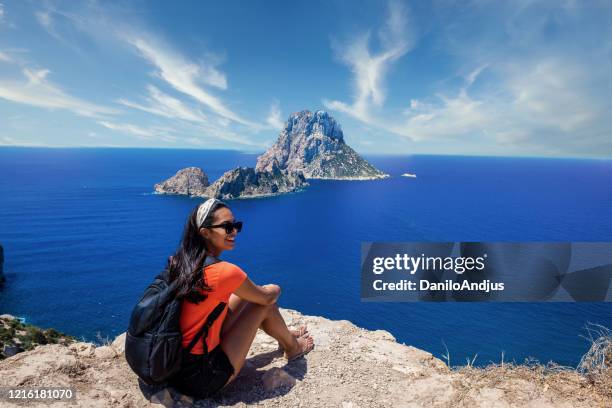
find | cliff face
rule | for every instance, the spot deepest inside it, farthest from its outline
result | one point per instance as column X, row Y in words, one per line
column 189, row 181
column 349, row 367
column 313, row 143
column 245, row 182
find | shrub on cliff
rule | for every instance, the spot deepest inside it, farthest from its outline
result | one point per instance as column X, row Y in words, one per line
column 16, row 336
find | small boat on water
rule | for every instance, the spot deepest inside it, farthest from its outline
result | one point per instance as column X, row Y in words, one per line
column 409, row 175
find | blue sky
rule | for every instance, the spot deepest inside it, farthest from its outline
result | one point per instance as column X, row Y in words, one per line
column 526, row 78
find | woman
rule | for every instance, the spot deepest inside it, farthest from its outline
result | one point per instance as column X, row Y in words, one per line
column 210, row 230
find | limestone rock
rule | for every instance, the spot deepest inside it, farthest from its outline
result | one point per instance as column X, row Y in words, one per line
column 349, row 367
column 119, row 344
column 82, row 349
column 105, row 352
column 245, row 182
column 313, row 143
column 189, row 181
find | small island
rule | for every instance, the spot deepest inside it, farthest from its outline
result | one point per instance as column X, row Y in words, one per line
column 241, row 182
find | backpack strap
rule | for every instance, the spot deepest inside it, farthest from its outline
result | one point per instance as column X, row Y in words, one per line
column 204, row 330
column 209, row 260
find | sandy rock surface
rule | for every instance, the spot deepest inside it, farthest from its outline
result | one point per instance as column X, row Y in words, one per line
column 349, row 367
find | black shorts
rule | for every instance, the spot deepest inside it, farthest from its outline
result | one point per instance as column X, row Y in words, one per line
column 202, row 376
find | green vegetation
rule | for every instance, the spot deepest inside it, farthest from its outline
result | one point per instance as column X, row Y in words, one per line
column 16, row 336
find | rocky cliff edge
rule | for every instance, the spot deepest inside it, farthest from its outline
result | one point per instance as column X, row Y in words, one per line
column 349, row 367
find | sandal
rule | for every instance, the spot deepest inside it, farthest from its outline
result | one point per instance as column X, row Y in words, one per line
column 308, row 349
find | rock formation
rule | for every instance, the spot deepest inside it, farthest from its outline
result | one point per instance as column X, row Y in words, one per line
column 242, row 182
column 190, row 181
column 349, row 367
column 313, row 143
column 245, row 182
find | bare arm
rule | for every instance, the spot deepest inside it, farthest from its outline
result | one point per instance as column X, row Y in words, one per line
column 261, row 295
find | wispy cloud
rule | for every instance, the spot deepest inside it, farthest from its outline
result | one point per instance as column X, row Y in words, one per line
column 4, row 57
column 163, row 134
column 536, row 92
column 37, row 90
column 1, row 12
column 159, row 103
column 186, row 76
column 45, row 20
column 534, row 104
column 369, row 68
column 518, row 87
column 274, row 118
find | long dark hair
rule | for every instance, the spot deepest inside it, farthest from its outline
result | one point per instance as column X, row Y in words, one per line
column 186, row 264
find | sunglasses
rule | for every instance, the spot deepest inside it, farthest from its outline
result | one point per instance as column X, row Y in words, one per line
column 229, row 226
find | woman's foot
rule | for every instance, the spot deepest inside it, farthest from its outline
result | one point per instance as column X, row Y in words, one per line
column 299, row 332
column 303, row 345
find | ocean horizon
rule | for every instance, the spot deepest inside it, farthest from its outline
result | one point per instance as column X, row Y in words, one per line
column 84, row 234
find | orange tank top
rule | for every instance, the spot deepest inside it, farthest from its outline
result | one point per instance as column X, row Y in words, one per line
column 223, row 278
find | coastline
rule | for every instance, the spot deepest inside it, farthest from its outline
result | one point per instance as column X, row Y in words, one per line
column 300, row 190
column 384, row 176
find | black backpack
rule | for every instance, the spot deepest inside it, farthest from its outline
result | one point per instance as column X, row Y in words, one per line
column 153, row 343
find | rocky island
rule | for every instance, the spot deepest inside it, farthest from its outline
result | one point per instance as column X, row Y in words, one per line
column 350, row 367
column 246, row 182
column 313, row 143
column 191, row 181
column 241, row 182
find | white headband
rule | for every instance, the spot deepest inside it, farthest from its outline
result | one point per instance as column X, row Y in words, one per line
column 204, row 209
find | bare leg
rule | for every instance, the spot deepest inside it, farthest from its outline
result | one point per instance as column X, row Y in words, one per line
column 236, row 305
column 237, row 340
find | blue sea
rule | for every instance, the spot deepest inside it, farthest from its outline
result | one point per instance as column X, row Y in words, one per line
column 83, row 235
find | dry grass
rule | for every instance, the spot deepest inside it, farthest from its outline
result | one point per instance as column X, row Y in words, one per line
column 596, row 364
column 520, row 383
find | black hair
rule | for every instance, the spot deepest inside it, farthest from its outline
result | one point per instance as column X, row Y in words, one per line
column 187, row 262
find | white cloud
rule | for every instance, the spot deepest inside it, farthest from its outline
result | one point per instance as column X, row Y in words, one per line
column 4, row 57
column 161, row 104
column 163, row 134
column 534, row 105
column 275, row 117
column 212, row 76
column 1, row 12
column 370, row 68
column 37, row 91
column 519, row 86
column 45, row 20
column 185, row 76
column 6, row 140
